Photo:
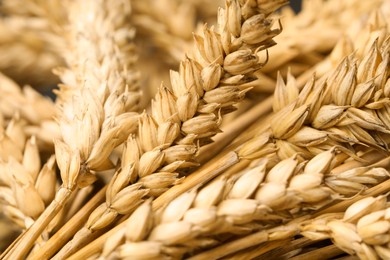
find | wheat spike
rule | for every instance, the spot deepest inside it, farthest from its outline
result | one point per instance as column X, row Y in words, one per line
column 26, row 187
column 104, row 90
column 246, row 202
column 362, row 231
column 194, row 105
column 321, row 141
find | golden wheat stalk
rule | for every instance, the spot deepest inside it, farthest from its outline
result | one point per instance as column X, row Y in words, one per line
column 281, row 134
column 201, row 92
column 312, row 228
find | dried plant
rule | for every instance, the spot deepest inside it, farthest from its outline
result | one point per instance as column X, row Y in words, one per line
column 362, row 231
column 89, row 176
column 185, row 116
column 95, row 102
column 248, row 201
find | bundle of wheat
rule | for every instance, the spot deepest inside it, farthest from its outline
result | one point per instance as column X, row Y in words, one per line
column 204, row 172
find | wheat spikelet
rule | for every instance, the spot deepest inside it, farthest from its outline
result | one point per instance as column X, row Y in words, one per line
column 27, row 187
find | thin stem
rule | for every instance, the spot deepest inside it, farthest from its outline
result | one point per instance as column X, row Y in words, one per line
column 277, row 253
column 28, row 238
column 205, row 174
column 322, row 253
column 377, row 190
column 254, row 252
column 69, row 229
column 234, row 246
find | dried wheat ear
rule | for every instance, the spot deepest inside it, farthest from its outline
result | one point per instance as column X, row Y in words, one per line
column 185, row 116
column 263, row 196
column 315, row 140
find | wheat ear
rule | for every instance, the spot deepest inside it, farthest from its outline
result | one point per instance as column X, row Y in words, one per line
column 322, row 140
column 240, row 204
column 189, row 114
column 248, row 241
column 362, row 231
column 95, row 101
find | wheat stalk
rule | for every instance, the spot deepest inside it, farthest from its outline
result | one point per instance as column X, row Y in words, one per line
column 26, row 188
column 320, row 141
column 341, row 113
column 201, row 92
column 292, row 122
column 248, row 241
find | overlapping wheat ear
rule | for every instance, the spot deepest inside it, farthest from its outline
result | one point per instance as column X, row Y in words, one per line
column 257, row 197
column 310, row 131
column 271, row 242
column 187, row 116
column 26, row 187
column 297, row 54
column 95, row 102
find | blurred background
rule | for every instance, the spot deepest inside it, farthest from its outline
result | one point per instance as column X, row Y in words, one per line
column 296, row 5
